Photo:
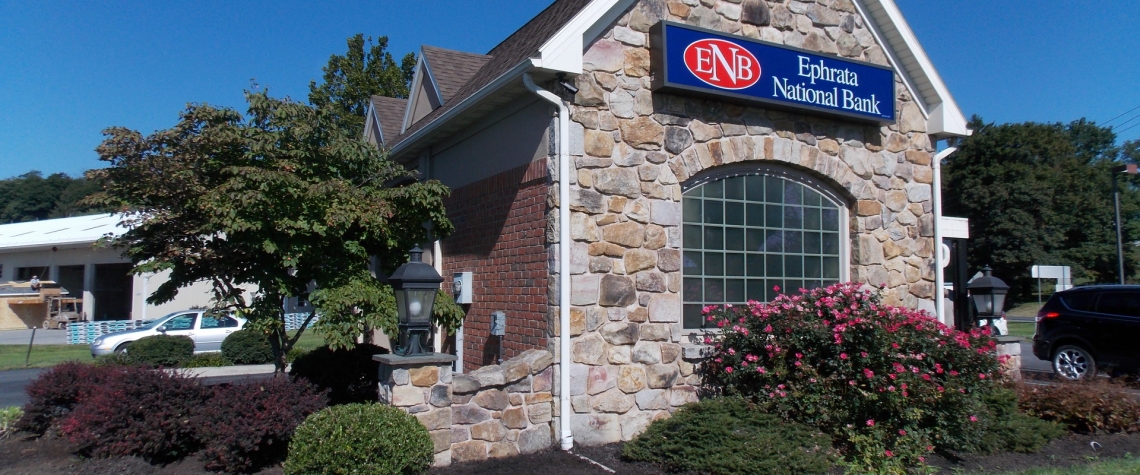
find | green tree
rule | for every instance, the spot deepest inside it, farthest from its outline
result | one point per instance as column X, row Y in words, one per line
column 351, row 80
column 1039, row 194
column 31, row 197
column 270, row 201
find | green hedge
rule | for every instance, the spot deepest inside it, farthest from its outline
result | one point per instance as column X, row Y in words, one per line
column 247, row 347
column 161, row 350
column 731, row 436
column 359, row 438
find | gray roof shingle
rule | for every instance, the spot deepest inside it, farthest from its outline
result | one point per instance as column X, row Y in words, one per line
column 523, row 43
column 452, row 69
column 390, row 114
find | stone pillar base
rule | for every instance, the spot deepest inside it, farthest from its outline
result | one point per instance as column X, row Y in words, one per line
column 1010, row 348
column 421, row 386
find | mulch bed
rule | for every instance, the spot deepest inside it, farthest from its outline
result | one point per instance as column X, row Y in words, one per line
column 23, row 455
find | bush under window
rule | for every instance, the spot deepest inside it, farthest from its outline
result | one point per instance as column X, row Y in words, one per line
column 889, row 384
column 727, row 436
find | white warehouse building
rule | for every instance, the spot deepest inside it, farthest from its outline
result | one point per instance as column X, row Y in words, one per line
column 65, row 251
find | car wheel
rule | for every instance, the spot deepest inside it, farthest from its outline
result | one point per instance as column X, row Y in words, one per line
column 1073, row 362
column 122, row 349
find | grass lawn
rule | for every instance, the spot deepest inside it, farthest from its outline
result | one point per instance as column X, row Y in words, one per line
column 309, row 340
column 1029, row 309
column 43, row 356
column 1023, row 330
column 12, row 356
column 1124, row 466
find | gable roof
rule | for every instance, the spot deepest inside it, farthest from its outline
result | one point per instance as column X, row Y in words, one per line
column 388, row 112
column 450, row 70
column 58, row 232
column 522, row 44
column 906, row 54
column 554, row 41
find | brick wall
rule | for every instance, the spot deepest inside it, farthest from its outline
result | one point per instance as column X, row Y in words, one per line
column 499, row 236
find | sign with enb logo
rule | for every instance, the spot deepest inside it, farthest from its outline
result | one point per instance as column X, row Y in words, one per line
column 693, row 60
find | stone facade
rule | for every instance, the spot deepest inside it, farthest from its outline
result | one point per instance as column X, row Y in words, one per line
column 632, row 152
column 495, row 411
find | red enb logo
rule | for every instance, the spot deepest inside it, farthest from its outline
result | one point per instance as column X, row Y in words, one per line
column 722, row 63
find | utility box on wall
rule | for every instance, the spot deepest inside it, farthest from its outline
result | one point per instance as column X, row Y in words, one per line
column 461, row 287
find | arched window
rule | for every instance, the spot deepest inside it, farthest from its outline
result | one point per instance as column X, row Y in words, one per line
column 751, row 228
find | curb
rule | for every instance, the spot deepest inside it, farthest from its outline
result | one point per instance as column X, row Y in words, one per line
column 240, row 370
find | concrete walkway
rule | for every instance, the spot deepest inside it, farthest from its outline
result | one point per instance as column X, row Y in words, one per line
column 43, row 337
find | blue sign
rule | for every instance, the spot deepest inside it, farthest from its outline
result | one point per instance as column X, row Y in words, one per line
column 694, row 60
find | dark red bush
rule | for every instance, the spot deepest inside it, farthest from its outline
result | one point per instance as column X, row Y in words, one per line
column 248, row 425
column 1095, row 406
column 56, row 392
column 136, row 412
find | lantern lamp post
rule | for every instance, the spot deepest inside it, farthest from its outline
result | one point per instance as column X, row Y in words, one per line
column 415, row 285
column 988, row 294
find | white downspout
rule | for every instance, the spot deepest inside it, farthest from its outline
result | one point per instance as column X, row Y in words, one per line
column 939, row 279
column 437, row 263
column 565, row 436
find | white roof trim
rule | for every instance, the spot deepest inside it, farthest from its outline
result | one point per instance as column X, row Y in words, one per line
column 370, row 119
column 422, row 68
column 907, row 56
column 563, row 51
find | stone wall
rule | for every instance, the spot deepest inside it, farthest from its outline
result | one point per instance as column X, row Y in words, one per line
column 495, row 411
column 633, row 150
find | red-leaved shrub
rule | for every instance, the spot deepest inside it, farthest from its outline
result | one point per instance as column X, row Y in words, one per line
column 888, row 383
column 1094, row 406
column 55, row 393
column 248, row 425
column 136, row 411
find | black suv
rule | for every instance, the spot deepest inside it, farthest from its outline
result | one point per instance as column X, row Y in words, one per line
column 1085, row 328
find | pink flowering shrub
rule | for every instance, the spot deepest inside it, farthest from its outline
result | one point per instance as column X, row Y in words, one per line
column 889, row 384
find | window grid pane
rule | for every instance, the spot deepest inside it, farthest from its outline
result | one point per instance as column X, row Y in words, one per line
column 744, row 235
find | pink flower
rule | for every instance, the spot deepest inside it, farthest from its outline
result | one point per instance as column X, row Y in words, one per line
column 799, row 355
column 843, row 356
column 728, row 369
column 888, row 453
column 902, row 432
column 761, row 370
column 981, row 376
column 732, row 351
column 973, row 419
column 870, row 423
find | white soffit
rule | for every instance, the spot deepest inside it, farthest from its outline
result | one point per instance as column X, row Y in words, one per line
column 910, row 59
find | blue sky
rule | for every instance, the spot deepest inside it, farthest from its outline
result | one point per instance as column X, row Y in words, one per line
column 68, row 69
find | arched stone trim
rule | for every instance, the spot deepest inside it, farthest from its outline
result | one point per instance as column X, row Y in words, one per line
column 823, row 185
column 848, row 168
